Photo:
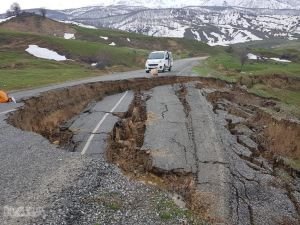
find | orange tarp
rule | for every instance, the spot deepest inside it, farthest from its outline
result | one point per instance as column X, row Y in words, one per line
column 3, row 97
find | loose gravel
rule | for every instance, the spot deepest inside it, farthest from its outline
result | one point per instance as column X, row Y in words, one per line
column 101, row 194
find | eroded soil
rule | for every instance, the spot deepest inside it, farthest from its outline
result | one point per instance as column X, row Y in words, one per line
column 275, row 136
column 48, row 113
column 274, row 81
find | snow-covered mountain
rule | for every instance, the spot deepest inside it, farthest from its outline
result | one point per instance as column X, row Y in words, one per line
column 213, row 25
column 154, row 3
column 268, row 4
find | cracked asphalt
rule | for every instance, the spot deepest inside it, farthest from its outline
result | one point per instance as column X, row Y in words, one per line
column 37, row 174
column 183, row 135
column 84, row 124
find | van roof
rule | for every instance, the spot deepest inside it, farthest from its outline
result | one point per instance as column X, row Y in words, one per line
column 160, row 51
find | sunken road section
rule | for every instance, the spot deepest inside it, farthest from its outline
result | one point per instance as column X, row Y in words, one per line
column 47, row 114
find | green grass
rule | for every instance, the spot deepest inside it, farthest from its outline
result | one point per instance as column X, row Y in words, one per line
column 30, row 78
column 19, row 70
column 295, row 164
column 222, row 66
column 226, row 64
column 287, row 96
column 79, row 49
column 93, row 34
column 115, row 206
column 168, row 210
column 227, row 67
column 180, row 47
column 118, row 56
column 275, row 48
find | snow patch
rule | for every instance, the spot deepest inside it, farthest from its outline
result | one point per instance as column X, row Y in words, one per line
column 155, row 28
column 6, row 19
column 240, row 36
column 44, row 53
column 105, row 38
column 281, row 60
column 78, row 24
column 94, row 64
column 112, row 44
column 210, row 40
column 255, row 57
column 197, row 35
column 69, row 36
column 291, row 38
column 128, row 40
column 252, row 56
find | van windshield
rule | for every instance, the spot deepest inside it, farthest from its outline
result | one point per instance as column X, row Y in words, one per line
column 156, row 55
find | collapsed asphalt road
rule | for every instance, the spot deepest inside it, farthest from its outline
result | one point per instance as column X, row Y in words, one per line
column 170, row 131
column 34, row 170
column 184, row 138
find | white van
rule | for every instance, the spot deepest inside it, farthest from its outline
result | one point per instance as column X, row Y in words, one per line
column 160, row 60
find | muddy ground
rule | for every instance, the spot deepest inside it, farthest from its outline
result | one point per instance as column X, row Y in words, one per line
column 250, row 120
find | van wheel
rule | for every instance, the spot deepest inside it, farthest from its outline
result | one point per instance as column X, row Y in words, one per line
column 147, row 71
column 170, row 68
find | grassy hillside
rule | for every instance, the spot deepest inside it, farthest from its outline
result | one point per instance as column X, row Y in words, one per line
column 267, row 78
column 36, row 24
column 180, row 47
column 19, row 69
column 79, row 50
column 227, row 66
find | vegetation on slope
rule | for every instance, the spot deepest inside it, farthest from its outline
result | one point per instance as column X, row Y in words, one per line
column 266, row 77
column 21, row 70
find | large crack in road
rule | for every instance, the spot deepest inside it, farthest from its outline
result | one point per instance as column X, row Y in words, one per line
column 218, row 149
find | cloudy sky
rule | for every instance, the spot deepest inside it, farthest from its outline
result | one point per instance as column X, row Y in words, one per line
column 50, row 4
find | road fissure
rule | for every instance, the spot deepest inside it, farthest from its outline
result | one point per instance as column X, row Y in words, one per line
column 85, row 148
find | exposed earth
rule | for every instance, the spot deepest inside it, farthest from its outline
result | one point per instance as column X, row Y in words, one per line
column 133, row 149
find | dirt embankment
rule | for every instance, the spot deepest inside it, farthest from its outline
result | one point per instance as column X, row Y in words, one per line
column 274, row 81
column 277, row 137
column 124, row 150
column 38, row 25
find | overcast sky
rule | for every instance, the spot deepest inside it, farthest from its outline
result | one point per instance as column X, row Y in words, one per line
column 50, row 4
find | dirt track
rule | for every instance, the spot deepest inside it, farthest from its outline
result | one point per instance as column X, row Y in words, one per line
column 238, row 181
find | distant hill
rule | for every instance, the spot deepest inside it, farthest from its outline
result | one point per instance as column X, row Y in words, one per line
column 28, row 22
column 36, row 24
column 214, row 25
column 89, row 52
